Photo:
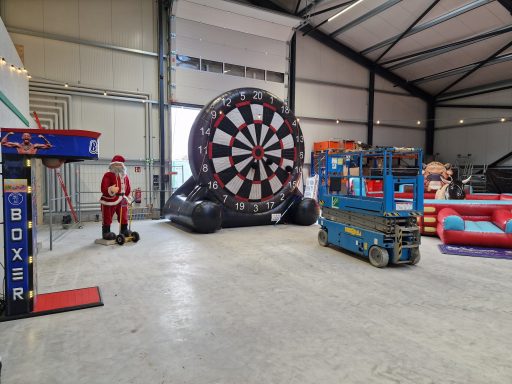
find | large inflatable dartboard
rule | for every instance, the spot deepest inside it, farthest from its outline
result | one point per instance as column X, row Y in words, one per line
column 246, row 146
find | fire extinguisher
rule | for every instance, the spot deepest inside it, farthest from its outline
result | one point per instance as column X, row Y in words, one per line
column 138, row 195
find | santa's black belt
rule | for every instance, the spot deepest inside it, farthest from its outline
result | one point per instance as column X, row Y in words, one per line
column 119, row 194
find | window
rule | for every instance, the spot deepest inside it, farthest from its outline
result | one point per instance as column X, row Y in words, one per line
column 276, row 77
column 254, row 73
column 234, row 70
column 187, row 62
column 211, row 66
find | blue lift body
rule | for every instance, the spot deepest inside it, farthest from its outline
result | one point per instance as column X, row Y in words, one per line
column 375, row 225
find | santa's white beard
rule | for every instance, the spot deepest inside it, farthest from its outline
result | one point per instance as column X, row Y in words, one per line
column 118, row 169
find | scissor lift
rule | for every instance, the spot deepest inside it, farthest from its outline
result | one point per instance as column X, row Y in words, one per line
column 372, row 223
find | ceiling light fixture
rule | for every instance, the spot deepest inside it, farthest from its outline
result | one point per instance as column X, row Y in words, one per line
column 337, row 121
column 378, row 121
column 503, row 119
column 461, row 121
column 418, row 122
column 343, row 11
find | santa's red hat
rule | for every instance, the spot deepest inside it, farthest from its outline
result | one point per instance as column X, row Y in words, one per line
column 117, row 159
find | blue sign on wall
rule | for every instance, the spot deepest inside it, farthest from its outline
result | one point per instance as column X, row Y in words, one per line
column 17, row 238
column 64, row 144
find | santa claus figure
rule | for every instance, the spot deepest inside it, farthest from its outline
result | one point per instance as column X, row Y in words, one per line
column 115, row 189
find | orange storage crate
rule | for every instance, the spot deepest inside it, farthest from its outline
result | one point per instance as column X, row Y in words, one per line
column 326, row 145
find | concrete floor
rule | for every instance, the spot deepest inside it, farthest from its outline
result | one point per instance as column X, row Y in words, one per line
column 262, row 305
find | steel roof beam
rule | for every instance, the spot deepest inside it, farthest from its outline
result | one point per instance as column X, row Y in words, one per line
column 476, row 68
column 367, row 63
column 429, row 24
column 428, row 53
column 325, row 10
column 366, row 16
column 309, row 7
column 507, row 4
column 475, row 91
column 474, row 106
column 456, row 71
column 400, row 37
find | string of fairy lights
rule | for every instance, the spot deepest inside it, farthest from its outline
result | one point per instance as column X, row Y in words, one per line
column 15, row 69
column 24, row 72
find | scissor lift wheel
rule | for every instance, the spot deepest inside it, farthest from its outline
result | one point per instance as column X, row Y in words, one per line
column 415, row 256
column 378, row 256
column 322, row 238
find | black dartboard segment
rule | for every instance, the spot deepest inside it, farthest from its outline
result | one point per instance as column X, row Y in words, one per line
column 246, row 146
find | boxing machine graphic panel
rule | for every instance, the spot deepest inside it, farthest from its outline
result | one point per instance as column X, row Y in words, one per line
column 19, row 147
column 246, row 152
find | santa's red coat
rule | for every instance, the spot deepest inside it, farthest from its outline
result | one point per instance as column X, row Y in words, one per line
column 111, row 179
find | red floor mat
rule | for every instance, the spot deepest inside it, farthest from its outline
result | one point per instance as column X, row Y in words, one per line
column 67, row 300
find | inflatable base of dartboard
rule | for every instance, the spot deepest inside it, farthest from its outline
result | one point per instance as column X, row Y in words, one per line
column 190, row 206
column 246, row 153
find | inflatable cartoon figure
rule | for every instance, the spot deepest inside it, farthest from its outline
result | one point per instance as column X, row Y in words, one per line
column 436, row 175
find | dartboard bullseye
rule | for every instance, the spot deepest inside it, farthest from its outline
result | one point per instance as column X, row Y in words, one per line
column 246, row 146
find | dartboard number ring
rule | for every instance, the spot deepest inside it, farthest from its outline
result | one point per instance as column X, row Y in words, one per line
column 246, row 146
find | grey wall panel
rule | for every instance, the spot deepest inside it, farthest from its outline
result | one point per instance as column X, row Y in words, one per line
column 128, row 71
column 149, row 25
column 316, row 61
column 95, row 19
column 96, row 67
column 61, row 17
column 129, row 129
column 317, row 130
column 24, row 14
column 98, row 115
column 127, row 23
column 150, row 76
column 61, row 61
column 323, row 101
column 34, row 53
column 399, row 110
column 398, row 137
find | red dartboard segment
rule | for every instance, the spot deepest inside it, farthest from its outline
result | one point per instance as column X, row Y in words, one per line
column 218, row 121
column 266, row 105
column 289, row 126
column 252, row 150
column 242, row 104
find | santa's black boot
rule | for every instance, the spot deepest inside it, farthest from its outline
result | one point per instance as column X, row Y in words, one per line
column 125, row 231
column 106, row 234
